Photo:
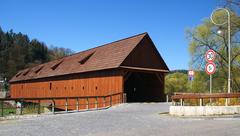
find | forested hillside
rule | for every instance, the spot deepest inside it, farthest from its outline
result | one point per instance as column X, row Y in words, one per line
column 18, row 51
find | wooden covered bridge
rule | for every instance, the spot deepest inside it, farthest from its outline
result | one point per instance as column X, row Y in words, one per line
column 130, row 66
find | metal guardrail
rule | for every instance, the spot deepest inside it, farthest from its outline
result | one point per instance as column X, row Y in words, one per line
column 107, row 102
column 201, row 96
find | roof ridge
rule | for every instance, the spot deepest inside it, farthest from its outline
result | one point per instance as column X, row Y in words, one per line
column 105, row 44
column 86, row 50
column 129, row 42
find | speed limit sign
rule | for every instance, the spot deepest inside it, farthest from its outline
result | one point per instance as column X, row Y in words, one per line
column 210, row 68
column 210, row 56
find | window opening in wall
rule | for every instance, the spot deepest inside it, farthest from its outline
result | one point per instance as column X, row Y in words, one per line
column 50, row 86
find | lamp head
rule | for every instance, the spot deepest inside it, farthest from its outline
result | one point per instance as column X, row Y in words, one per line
column 220, row 32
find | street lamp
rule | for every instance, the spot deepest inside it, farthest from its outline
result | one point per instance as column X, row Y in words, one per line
column 219, row 32
column 229, row 41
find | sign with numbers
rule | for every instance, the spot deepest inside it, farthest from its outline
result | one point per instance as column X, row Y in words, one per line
column 210, row 56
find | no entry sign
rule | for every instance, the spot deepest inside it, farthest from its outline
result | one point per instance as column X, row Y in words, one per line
column 210, row 56
column 210, row 68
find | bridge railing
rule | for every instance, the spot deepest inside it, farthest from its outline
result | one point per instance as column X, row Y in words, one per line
column 58, row 104
column 178, row 99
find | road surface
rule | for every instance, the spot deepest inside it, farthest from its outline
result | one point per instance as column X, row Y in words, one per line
column 136, row 119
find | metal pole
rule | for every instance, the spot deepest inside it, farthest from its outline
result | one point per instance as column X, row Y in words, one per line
column 210, row 84
column 201, row 102
column 229, row 43
column 39, row 106
column 191, row 84
column 210, row 87
column 21, row 110
column 229, row 52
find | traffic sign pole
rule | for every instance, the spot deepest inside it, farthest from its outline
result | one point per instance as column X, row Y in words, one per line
column 210, row 68
column 210, row 84
column 210, row 87
column 190, row 76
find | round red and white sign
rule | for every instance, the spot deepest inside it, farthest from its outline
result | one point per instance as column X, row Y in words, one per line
column 210, row 56
column 190, row 73
column 210, row 68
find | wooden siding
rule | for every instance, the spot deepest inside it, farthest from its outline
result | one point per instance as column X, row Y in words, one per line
column 93, row 84
column 145, row 55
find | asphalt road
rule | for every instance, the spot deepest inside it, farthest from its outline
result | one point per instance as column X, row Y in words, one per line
column 123, row 120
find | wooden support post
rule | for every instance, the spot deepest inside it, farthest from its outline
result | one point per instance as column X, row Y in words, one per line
column 39, row 107
column 66, row 105
column 96, row 103
column 87, row 104
column 2, row 109
column 104, row 101
column 53, row 106
column 121, row 98
column 77, row 104
column 110, row 100
column 124, row 97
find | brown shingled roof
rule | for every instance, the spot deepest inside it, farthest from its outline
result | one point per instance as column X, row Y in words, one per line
column 107, row 56
column 103, row 57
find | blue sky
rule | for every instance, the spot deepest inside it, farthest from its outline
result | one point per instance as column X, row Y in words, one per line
column 84, row 24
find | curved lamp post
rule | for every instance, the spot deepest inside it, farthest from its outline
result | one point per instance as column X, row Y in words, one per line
column 229, row 41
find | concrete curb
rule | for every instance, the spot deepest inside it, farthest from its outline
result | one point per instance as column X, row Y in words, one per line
column 203, row 110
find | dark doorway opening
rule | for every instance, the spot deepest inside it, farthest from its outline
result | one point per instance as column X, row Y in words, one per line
column 144, row 87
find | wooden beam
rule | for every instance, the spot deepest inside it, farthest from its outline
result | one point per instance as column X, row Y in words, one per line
column 159, row 77
column 127, row 75
column 144, row 69
column 205, row 96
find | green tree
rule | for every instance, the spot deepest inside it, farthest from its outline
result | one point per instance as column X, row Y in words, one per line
column 56, row 52
column 205, row 36
column 176, row 82
column 200, row 83
column 18, row 52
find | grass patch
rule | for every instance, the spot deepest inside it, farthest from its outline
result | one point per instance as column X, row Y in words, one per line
column 32, row 108
column 28, row 108
column 7, row 109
